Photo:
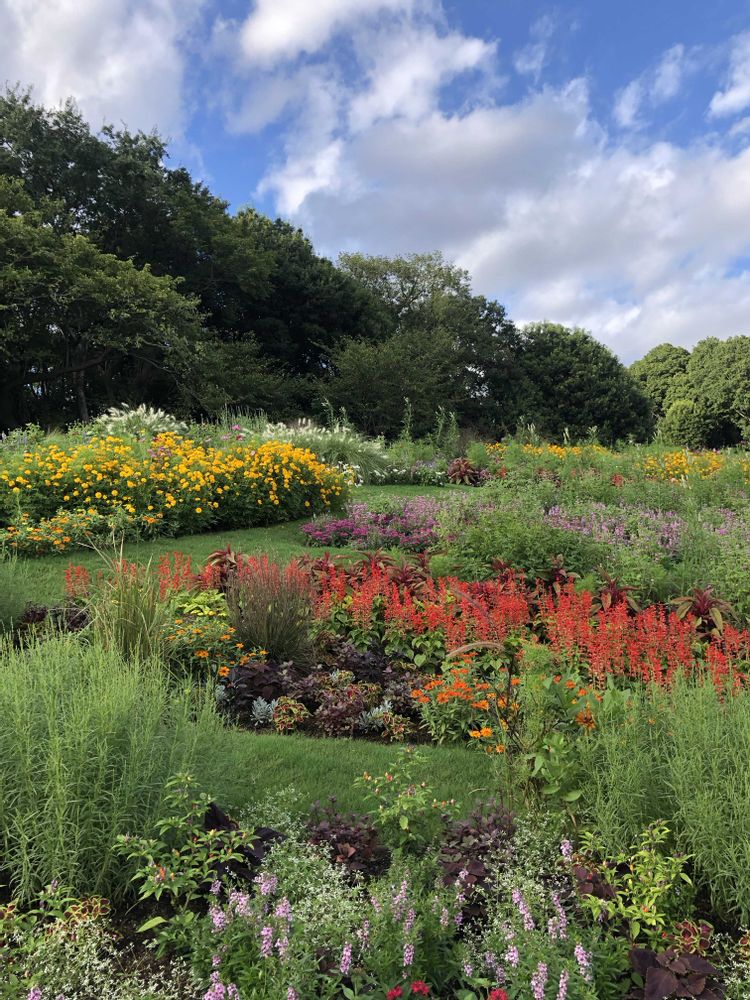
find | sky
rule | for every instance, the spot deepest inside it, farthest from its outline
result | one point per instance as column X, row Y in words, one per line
column 588, row 162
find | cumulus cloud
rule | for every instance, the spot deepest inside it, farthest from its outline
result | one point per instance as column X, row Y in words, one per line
column 735, row 97
column 283, row 29
column 121, row 60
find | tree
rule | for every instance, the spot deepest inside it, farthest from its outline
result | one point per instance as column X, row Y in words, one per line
column 718, row 376
column 374, row 379
column 76, row 323
column 573, row 382
column 685, row 424
column 661, row 372
column 422, row 297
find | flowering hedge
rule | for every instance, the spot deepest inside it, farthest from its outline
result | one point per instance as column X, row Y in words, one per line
column 170, row 485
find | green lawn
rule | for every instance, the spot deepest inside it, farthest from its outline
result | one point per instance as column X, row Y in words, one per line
column 246, row 767
column 41, row 580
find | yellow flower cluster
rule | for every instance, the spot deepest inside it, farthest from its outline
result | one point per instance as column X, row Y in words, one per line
column 565, row 451
column 172, row 483
column 676, row 465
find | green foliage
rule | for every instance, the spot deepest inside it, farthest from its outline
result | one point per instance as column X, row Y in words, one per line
column 659, row 372
column 680, row 756
column 685, row 424
column 574, row 383
column 93, row 737
column 408, row 815
column 651, row 890
column 181, row 862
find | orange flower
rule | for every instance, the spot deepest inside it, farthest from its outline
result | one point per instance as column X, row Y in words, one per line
column 223, row 671
column 202, row 654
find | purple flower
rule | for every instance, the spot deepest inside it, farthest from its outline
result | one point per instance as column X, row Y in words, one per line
column 34, row 993
column 218, row 919
column 584, row 961
column 346, row 960
column 566, row 849
column 539, row 981
column 562, row 989
column 408, row 955
column 283, row 910
column 512, row 956
column 523, row 908
column 266, row 941
column 363, row 935
column 291, row 993
column 468, row 969
column 266, row 883
column 411, row 916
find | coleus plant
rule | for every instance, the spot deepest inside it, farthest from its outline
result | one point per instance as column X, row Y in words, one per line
column 666, row 974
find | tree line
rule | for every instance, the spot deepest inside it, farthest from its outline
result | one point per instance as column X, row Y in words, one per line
column 123, row 279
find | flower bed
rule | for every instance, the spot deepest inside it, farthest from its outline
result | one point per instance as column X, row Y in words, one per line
column 170, row 485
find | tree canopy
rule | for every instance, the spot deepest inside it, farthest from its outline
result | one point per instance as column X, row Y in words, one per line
column 122, row 279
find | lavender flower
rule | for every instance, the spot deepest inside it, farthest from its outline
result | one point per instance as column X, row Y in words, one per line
column 468, row 969
column 284, row 910
column 523, row 909
column 411, row 916
column 218, row 919
column 266, row 938
column 266, row 883
column 539, row 981
column 408, row 955
column 566, row 849
column 346, row 960
column 512, row 956
column 584, row 961
column 363, row 935
column 562, row 989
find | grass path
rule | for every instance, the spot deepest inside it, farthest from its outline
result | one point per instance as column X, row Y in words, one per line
column 247, row 767
column 41, row 580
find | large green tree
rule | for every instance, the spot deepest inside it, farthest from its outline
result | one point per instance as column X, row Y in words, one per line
column 661, row 374
column 442, row 333
column 572, row 382
column 76, row 323
column 718, row 382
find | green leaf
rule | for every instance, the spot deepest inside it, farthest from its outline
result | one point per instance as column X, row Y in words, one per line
column 572, row 796
column 403, row 822
column 150, row 924
column 635, row 929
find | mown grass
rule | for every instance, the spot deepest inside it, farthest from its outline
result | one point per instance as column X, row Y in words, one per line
column 41, row 580
column 247, row 767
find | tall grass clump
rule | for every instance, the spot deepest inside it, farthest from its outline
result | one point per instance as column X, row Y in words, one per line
column 127, row 610
column 682, row 756
column 270, row 608
column 88, row 739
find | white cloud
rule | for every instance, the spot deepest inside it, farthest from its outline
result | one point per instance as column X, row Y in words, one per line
column 736, row 95
column 122, row 60
column 283, row 29
column 628, row 103
column 530, row 60
column 656, row 86
column 408, row 70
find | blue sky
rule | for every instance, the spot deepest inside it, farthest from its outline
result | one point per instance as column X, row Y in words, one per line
column 587, row 162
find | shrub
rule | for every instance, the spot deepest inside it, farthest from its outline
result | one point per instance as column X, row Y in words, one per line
column 685, row 423
column 88, row 741
column 270, row 608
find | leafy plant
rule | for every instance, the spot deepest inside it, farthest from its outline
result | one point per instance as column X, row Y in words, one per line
column 183, row 861
column 462, row 471
column 408, row 815
column 650, row 887
column 468, row 845
column 351, row 840
column 665, row 974
column 289, row 715
column 708, row 610
column 139, row 421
